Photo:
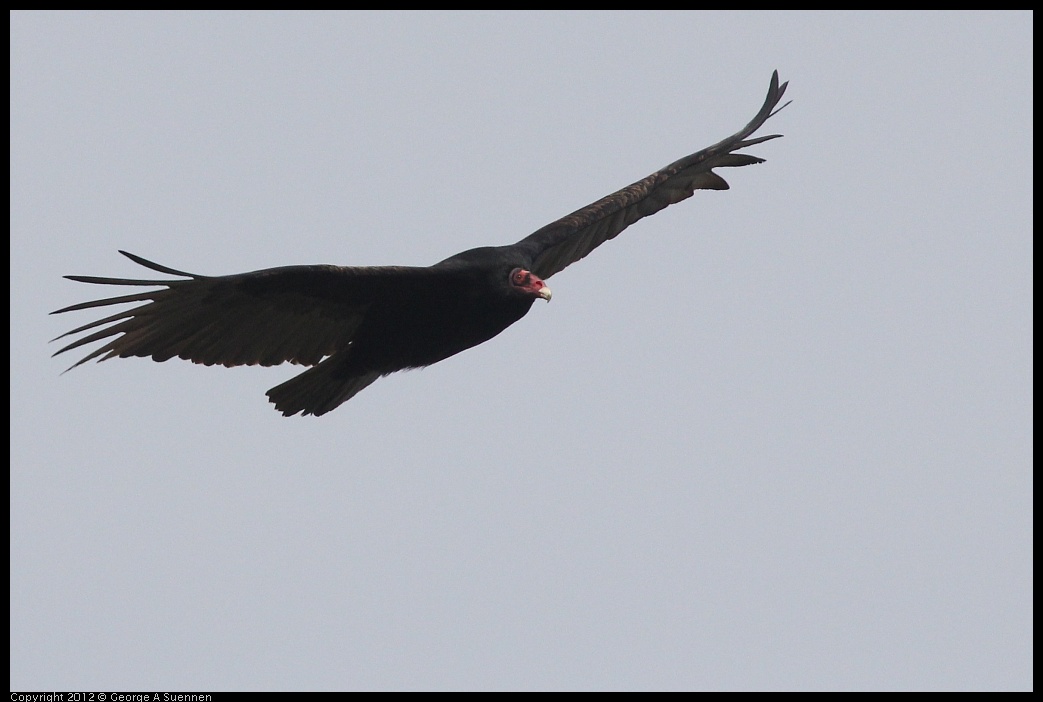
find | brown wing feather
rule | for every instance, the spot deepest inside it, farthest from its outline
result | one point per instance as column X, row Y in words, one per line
column 299, row 314
column 572, row 237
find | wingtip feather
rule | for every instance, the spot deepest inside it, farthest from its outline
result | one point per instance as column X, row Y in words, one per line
column 157, row 266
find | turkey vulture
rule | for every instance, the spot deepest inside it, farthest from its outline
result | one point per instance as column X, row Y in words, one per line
column 353, row 325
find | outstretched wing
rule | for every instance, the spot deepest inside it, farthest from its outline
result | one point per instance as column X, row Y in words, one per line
column 572, row 237
column 299, row 314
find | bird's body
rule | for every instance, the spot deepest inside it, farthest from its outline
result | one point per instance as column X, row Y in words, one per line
column 354, row 325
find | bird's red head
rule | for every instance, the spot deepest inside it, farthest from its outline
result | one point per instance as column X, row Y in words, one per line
column 529, row 283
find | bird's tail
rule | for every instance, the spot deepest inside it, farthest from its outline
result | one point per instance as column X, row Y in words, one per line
column 319, row 390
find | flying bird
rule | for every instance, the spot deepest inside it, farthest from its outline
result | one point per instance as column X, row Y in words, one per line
column 352, row 325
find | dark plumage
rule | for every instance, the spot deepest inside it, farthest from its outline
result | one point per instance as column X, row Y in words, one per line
column 353, row 325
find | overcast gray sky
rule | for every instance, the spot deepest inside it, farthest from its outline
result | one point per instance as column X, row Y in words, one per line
column 774, row 437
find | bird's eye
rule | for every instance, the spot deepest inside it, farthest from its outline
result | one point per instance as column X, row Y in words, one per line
column 519, row 277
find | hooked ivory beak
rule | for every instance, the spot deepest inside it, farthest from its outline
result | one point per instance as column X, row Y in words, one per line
column 545, row 293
